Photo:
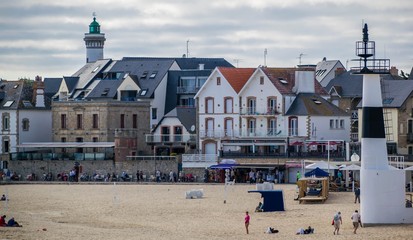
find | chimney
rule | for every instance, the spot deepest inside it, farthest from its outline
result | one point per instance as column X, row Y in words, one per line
column 201, row 66
column 394, row 71
column 304, row 82
column 38, row 92
column 339, row 71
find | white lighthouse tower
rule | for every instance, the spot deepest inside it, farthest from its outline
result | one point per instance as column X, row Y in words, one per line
column 94, row 41
column 382, row 186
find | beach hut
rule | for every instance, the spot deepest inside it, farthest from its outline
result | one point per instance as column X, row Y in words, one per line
column 312, row 189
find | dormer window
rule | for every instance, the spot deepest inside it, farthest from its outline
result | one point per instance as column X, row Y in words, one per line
column 105, row 92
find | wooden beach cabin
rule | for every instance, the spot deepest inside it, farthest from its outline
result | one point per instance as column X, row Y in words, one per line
column 312, row 189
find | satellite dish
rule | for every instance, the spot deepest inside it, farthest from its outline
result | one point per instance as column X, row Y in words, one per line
column 355, row 157
column 193, row 128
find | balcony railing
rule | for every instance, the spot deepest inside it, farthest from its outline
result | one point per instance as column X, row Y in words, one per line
column 244, row 133
column 187, row 90
column 61, row 156
column 199, row 158
column 354, row 137
column 252, row 111
column 170, row 138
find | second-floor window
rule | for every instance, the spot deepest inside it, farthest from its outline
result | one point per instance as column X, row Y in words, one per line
column 261, row 80
column 25, row 124
column 135, row 121
column 6, row 121
column 79, row 121
column 272, row 105
column 293, row 126
column 251, row 105
column 154, row 113
column 209, row 127
column 95, row 121
column 218, row 80
column 228, row 105
column 122, row 121
column 209, row 105
column 63, row 121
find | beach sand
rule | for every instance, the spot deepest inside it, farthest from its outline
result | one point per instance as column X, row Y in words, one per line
column 161, row 211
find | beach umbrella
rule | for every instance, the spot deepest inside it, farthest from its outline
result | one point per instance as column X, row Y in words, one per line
column 322, row 165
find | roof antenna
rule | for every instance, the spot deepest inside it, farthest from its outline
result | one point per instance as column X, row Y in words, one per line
column 187, row 48
column 265, row 57
column 237, row 60
column 300, row 57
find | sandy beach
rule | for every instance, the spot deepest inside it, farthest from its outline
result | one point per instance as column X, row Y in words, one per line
column 151, row 211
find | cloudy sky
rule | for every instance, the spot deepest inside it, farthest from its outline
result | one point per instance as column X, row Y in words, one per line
column 46, row 37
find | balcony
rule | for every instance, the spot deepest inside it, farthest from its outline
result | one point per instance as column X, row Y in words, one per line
column 260, row 111
column 199, row 160
column 170, row 138
column 218, row 134
column 187, row 90
column 253, row 132
column 126, row 132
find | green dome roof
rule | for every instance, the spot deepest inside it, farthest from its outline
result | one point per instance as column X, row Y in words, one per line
column 94, row 26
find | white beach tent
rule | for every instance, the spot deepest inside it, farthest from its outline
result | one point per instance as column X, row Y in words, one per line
column 351, row 167
column 321, row 165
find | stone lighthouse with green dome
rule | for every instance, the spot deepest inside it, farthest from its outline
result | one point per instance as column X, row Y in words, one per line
column 94, row 41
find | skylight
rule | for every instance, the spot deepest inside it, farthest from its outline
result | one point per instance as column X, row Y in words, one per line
column 16, row 86
column 27, row 103
column 316, row 101
column 126, row 75
column 96, row 68
column 8, row 103
column 282, row 80
column 388, row 100
column 153, row 75
column 143, row 92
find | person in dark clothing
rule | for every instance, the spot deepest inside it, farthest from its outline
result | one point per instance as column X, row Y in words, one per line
column 357, row 195
column 13, row 223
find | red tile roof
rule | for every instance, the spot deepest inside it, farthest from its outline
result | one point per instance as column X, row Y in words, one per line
column 236, row 77
column 276, row 75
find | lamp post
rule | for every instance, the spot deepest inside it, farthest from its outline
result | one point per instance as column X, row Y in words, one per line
column 328, row 158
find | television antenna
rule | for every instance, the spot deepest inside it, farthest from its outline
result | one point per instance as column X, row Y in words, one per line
column 237, row 61
column 187, row 48
column 265, row 57
column 300, row 57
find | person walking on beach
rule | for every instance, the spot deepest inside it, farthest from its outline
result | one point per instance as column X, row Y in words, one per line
column 247, row 221
column 356, row 220
column 357, row 195
column 337, row 222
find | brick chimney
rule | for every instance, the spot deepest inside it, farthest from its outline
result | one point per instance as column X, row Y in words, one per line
column 339, row 71
column 394, row 71
column 38, row 92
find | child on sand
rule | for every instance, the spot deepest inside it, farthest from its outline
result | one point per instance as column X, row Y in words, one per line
column 247, row 221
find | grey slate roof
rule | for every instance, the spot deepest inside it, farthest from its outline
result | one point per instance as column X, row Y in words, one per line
column 209, row 63
column 71, row 83
column 17, row 92
column 310, row 104
column 143, row 68
column 52, row 85
column 105, row 89
column 90, row 71
column 351, row 84
column 395, row 93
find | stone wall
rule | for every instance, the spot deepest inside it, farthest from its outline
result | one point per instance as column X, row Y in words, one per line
column 40, row 167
